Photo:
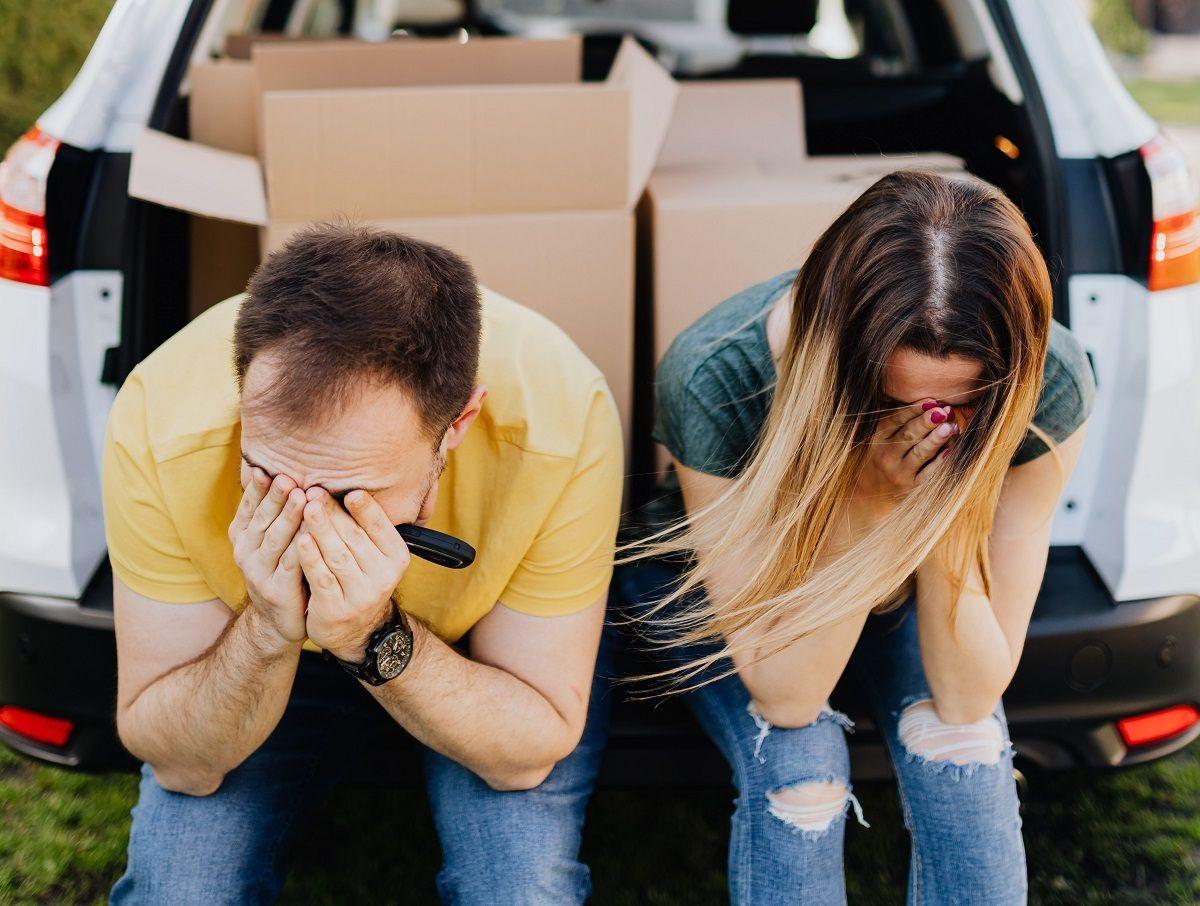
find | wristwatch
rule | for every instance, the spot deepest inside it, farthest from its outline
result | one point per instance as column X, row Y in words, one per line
column 389, row 650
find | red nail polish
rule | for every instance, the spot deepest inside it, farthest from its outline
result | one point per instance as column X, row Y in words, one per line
column 938, row 417
column 945, row 452
column 927, row 405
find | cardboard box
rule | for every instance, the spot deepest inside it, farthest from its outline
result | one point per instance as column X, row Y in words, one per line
column 532, row 181
column 735, row 201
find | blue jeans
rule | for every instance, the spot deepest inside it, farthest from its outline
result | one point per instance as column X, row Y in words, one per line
column 229, row 848
column 962, row 815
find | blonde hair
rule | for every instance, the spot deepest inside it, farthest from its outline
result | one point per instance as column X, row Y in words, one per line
column 940, row 265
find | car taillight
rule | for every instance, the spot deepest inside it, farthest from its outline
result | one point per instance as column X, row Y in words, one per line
column 1155, row 726
column 1175, row 246
column 53, row 731
column 23, row 208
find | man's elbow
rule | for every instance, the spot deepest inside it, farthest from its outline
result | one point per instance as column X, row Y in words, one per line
column 189, row 783
column 517, row 780
column 174, row 779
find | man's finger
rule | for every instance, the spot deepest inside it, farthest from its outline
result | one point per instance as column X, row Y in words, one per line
column 268, row 509
column 284, row 528
column 374, row 522
column 252, row 496
column 333, row 549
column 321, row 579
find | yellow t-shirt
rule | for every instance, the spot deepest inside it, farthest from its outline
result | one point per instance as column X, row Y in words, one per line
column 535, row 486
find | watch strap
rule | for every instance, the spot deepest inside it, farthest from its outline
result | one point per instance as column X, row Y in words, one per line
column 368, row 671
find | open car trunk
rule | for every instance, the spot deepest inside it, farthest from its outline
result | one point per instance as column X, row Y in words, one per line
column 934, row 101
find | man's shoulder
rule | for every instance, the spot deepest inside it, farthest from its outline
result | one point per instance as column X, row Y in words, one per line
column 183, row 396
column 541, row 386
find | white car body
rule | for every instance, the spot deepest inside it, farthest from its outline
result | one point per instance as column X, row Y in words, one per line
column 1133, row 504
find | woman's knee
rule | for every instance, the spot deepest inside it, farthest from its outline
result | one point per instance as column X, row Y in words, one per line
column 799, row 776
column 957, row 748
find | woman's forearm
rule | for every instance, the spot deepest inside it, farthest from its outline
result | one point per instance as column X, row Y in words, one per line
column 790, row 687
column 968, row 662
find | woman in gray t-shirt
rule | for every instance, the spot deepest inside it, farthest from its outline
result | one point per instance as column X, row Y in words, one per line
column 870, row 452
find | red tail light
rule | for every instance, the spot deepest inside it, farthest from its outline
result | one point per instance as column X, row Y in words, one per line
column 1175, row 246
column 1147, row 729
column 23, row 208
column 38, row 727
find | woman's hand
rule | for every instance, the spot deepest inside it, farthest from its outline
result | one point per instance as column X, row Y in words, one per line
column 904, row 453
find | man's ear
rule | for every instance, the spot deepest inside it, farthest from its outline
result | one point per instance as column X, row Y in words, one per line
column 458, row 428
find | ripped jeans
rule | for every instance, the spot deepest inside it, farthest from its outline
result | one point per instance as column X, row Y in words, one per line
column 793, row 785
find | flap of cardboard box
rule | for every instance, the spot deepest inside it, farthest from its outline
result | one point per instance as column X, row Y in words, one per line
column 859, row 167
column 223, row 106
column 816, row 180
column 749, row 183
column 417, row 61
column 735, row 120
column 652, row 94
column 239, row 44
column 192, row 177
column 412, row 152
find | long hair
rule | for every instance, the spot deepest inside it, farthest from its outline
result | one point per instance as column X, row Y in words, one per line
column 934, row 264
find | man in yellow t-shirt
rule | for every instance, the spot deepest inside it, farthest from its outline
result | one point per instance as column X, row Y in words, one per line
column 255, row 468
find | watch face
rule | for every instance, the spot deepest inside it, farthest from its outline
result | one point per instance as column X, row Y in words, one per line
column 393, row 653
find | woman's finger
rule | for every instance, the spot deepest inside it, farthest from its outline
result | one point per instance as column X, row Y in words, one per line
column 930, row 446
column 917, row 429
column 893, row 423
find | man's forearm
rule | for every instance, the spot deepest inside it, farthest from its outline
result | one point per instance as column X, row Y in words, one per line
column 199, row 721
column 482, row 717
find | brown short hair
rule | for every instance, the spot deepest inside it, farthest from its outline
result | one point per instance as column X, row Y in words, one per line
column 341, row 302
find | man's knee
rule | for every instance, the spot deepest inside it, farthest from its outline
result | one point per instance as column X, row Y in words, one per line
column 198, row 849
column 927, row 739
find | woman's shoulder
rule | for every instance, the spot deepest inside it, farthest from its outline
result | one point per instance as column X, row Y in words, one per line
column 1068, row 393
column 727, row 331
column 712, row 384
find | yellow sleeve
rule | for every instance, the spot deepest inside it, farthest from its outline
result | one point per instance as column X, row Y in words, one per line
column 144, row 546
column 569, row 564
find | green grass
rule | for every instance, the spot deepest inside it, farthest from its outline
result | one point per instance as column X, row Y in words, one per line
column 42, row 45
column 1118, row 29
column 1130, row 837
column 1168, row 102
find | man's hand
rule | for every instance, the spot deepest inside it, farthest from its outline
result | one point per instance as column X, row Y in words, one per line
column 353, row 559
column 262, row 533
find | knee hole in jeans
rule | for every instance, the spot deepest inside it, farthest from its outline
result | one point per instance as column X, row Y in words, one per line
column 924, row 735
column 811, row 806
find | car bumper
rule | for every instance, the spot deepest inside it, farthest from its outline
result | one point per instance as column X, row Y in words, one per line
column 1087, row 663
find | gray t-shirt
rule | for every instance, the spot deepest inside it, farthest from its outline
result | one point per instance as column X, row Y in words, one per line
column 715, row 383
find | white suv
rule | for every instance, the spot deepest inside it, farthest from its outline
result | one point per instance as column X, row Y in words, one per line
column 91, row 281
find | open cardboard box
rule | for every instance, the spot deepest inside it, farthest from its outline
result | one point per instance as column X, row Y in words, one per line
column 528, row 173
column 734, row 200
